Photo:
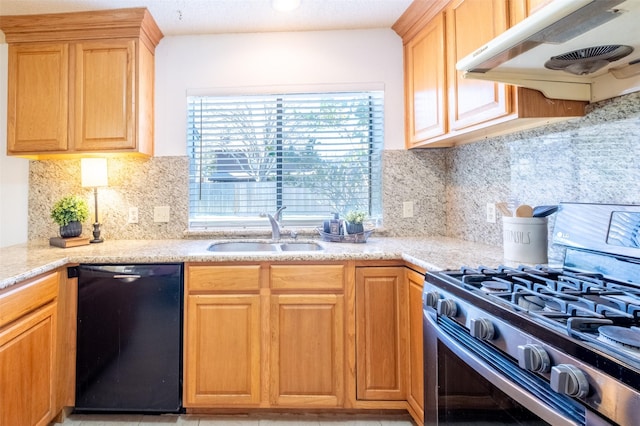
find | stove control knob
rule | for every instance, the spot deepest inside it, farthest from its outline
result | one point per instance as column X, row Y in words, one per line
column 569, row 380
column 481, row 329
column 431, row 299
column 447, row 308
column 533, row 358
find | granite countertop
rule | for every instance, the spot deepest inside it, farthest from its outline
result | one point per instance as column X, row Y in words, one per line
column 25, row 261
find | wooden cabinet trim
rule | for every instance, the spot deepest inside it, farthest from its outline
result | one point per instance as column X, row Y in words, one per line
column 419, row 13
column 103, row 24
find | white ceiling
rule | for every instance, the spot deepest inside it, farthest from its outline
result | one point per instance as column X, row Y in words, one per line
column 178, row 17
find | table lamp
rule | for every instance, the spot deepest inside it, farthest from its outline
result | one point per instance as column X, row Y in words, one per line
column 94, row 174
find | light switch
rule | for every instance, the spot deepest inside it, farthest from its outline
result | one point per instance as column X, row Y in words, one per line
column 491, row 213
column 161, row 214
column 407, row 209
column 133, row 215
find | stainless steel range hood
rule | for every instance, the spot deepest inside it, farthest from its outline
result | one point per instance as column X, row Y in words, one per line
column 566, row 29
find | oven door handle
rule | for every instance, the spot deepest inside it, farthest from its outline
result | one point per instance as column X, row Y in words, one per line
column 514, row 391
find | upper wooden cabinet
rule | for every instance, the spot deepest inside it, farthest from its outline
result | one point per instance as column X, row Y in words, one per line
column 444, row 109
column 81, row 83
column 425, row 91
column 38, row 98
column 470, row 24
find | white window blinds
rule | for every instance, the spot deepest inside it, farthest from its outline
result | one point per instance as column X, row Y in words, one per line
column 314, row 153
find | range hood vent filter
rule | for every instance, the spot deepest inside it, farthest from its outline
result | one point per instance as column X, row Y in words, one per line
column 588, row 60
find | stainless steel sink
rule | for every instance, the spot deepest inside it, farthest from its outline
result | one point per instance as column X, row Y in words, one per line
column 300, row 246
column 241, row 246
column 256, row 246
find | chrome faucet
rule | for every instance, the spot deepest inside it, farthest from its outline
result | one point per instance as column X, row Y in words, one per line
column 276, row 228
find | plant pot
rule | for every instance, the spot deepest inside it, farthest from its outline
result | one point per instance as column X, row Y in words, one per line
column 73, row 229
column 355, row 228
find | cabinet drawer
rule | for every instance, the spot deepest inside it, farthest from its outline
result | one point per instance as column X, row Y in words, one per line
column 307, row 277
column 223, row 278
column 23, row 298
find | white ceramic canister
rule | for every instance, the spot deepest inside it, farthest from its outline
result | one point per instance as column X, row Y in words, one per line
column 525, row 239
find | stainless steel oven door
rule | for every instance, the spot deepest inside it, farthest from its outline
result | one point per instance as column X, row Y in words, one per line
column 470, row 382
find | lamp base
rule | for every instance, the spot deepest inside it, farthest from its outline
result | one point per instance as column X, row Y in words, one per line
column 96, row 234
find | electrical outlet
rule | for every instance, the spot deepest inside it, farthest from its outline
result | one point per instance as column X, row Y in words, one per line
column 161, row 214
column 133, row 215
column 491, row 212
column 407, row 209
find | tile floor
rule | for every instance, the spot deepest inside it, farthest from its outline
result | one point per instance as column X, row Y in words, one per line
column 238, row 420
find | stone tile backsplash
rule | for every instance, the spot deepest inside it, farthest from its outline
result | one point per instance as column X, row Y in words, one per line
column 591, row 159
column 133, row 182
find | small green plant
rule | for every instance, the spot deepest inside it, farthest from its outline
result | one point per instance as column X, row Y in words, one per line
column 69, row 209
column 355, row 216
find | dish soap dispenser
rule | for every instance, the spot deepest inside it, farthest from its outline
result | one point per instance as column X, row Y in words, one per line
column 334, row 225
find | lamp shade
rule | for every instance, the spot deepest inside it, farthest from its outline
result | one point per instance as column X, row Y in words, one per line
column 94, row 172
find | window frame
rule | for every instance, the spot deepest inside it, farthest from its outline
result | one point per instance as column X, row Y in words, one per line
column 288, row 219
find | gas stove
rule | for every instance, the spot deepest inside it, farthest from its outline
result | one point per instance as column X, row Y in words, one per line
column 585, row 306
column 575, row 326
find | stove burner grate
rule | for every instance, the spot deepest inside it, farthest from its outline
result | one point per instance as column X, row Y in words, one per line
column 628, row 338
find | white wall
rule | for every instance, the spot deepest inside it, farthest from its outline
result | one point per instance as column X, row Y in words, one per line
column 14, row 175
column 223, row 63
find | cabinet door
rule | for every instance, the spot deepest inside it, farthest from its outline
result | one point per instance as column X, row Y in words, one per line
column 222, row 350
column 104, row 95
column 416, row 362
column 307, row 350
column 38, row 93
column 381, row 333
column 469, row 25
column 425, row 84
column 27, row 359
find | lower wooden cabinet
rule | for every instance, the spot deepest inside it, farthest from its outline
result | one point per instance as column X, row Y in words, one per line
column 381, row 334
column 415, row 396
column 307, row 350
column 264, row 335
column 222, row 350
column 222, row 336
column 301, row 335
column 28, row 324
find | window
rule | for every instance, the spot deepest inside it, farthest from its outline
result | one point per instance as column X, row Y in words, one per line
column 314, row 153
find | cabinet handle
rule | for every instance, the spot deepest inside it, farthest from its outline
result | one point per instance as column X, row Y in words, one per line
column 127, row 278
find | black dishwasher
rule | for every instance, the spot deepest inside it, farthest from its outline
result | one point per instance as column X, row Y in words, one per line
column 129, row 338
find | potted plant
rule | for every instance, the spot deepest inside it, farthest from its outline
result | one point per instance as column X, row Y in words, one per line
column 354, row 220
column 69, row 213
